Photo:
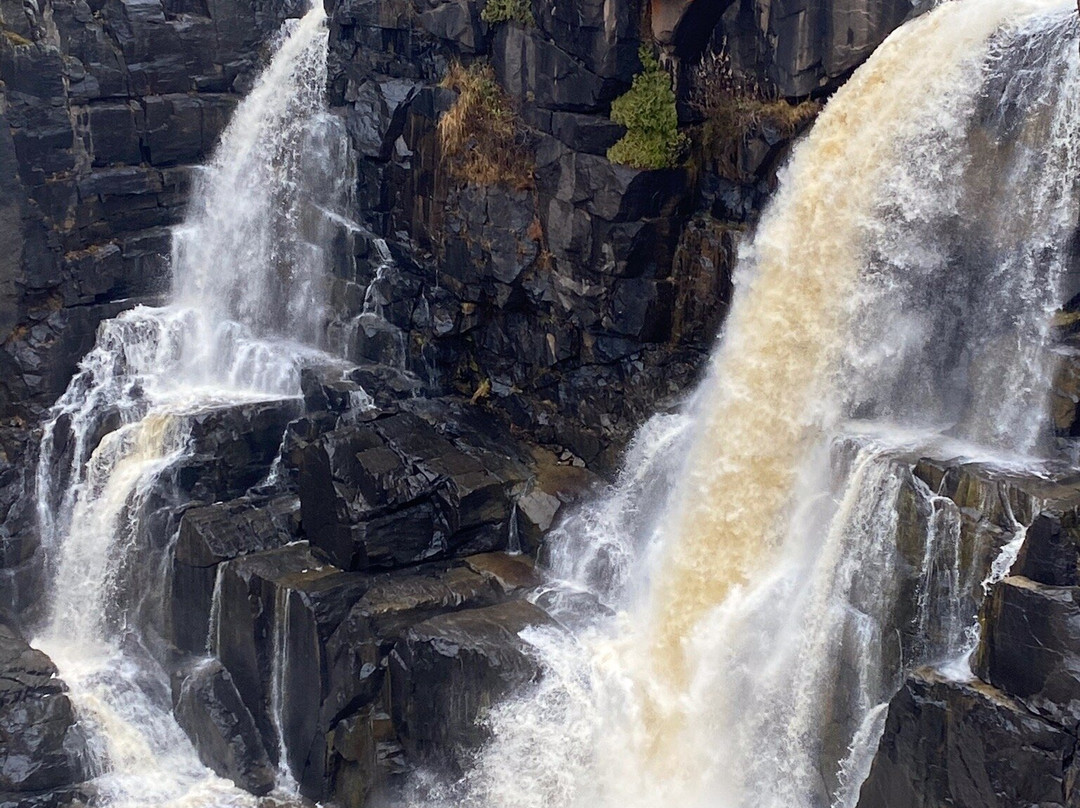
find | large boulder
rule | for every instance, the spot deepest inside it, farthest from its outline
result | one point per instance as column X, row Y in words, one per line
column 1030, row 647
column 1051, row 550
column 210, row 535
column 209, row 709
column 394, row 492
column 276, row 610
column 968, row 746
column 233, row 448
column 447, row 672
column 42, row 748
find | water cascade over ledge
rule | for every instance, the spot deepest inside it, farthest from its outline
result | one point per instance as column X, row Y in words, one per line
column 247, row 307
column 757, row 592
column 897, row 296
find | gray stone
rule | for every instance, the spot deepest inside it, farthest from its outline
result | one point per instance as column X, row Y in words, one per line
column 209, row 709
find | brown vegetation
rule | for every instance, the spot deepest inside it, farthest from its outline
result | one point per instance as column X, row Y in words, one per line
column 483, row 141
column 735, row 107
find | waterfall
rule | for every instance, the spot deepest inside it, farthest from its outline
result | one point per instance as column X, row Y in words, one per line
column 248, row 304
column 896, row 294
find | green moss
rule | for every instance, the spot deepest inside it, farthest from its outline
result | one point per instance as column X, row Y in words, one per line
column 506, row 10
column 647, row 110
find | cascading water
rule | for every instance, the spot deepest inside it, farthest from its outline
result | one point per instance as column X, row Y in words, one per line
column 898, row 292
column 905, row 273
column 247, row 308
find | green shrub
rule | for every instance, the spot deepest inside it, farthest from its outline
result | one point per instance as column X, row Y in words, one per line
column 506, row 10
column 647, row 110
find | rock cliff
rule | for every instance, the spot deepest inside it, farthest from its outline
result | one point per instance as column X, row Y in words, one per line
column 513, row 333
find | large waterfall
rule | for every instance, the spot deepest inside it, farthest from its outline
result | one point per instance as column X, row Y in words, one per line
column 896, row 298
column 250, row 272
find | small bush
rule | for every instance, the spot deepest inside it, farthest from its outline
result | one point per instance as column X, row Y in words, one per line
column 647, row 110
column 506, row 10
column 481, row 136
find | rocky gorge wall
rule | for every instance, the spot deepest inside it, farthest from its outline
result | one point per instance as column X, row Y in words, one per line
column 513, row 336
column 571, row 304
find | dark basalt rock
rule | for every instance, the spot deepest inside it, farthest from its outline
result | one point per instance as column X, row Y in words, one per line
column 394, row 602
column 1065, row 392
column 797, row 46
column 277, row 610
column 256, row 623
column 1030, row 648
column 70, row 797
column 209, row 709
column 42, row 748
column 233, row 448
column 212, row 534
column 969, row 746
column 447, row 671
column 394, row 492
column 1051, row 550
column 526, row 62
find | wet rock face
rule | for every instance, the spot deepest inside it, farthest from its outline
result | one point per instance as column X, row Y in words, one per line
column 1031, row 648
column 1007, row 737
column 800, row 47
column 394, row 492
column 947, row 743
column 209, row 709
column 210, row 535
column 42, row 748
column 447, row 672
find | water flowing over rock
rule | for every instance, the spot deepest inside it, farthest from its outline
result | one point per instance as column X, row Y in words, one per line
column 167, row 408
column 288, row 511
column 800, row 560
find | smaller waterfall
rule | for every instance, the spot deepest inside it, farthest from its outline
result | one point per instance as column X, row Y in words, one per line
column 247, row 308
column 941, row 609
column 279, row 665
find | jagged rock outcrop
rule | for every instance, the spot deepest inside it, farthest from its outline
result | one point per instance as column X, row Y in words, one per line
column 968, row 745
column 1029, row 648
column 393, row 492
column 449, row 670
column 211, row 534
column 43, row 753
column 210, row 710
column 799, row 47
column 1006, row 737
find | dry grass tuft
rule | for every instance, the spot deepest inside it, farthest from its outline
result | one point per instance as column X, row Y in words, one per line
column 16, row 39
column 482, row 138
column 735, row 108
